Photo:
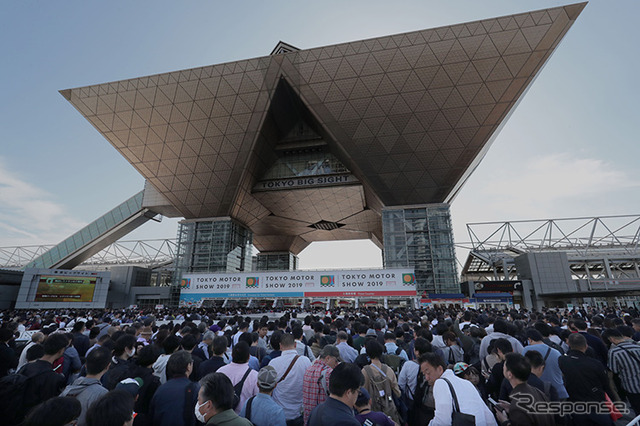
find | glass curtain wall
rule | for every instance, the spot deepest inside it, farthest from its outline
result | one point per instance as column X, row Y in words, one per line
column 422, row 237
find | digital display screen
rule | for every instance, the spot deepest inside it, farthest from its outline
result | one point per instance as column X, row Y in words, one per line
column 61, row 288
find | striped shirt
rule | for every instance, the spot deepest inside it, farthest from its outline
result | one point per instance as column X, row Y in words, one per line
column 624, row 360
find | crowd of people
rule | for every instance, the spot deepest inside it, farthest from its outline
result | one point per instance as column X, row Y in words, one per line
column 371, row 366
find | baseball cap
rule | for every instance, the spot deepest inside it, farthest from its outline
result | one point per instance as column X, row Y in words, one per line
column 130, row 385
column 267, row 378
column 460, row 368
column 330, row 350
column 363, row 397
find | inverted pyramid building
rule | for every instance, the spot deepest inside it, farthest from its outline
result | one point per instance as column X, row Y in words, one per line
column 311, row 145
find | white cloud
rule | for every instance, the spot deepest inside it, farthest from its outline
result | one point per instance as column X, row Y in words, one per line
column 544, row 187
column 30, row 215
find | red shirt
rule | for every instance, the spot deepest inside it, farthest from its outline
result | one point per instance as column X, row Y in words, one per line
column 313, row 393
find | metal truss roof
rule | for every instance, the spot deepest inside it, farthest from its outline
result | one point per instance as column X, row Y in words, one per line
column 144, row 253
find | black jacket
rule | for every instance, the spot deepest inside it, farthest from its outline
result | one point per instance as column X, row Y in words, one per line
column 584, row 377
column 47, row 385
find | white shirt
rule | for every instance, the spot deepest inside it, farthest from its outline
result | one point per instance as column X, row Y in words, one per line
column 288, row 393
column 160, row 368
column 469, row 400
column 23, row 356
column 300, row 347
column 462, row 324
column 484, row 344
column 347, row 353
column 205, row 349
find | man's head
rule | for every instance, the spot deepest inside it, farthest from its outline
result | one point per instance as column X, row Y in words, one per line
column 6, row 334
column 534, row 336
column 580, row 325
column 615, row 336
column 125, row 346
column 330, row 355
column 98, row 361
column 78, row 327
column 219, row 345
column 297, row 332
column 215, row 395
column 35, row 352
column 208, row 337
column 342, row 337
column 577, row 342
column 432, row 366
column 502, row 347
column 55, row 344
column 148, row 355
column 516, row 368
column 275, row 340
column 536, row 361
column 240, row 353
column 263, row 330
column 374, row 349
column 189, row 342
column 37, row 337
column 345, row 382
column 421, row 347
column 171, row 344
column 389, row 337
column 267, row 379
column 449, row 338
column 113, row 408
column 180, row 364
column 363, row 401
column 287, row 342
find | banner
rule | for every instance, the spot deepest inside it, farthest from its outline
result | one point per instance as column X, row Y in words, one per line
column 298, row 284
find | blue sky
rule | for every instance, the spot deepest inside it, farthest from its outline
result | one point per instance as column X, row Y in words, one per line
column 569, row 149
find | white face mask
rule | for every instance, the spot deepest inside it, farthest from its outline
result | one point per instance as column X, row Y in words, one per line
column 199, row 415
column 133, row 352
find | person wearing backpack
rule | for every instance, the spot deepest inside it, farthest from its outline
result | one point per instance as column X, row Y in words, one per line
column 368, row 417
column 242, row 376
column 174, row 401
column 380, row 381
column 550, row 357
column 453, row 353
column 391, row 346
column 89, row 389
column 35, row 383
column 344, row 387
column 262, row 410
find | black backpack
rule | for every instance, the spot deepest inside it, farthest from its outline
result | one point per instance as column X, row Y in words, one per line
column 237, row 389
column 14, row 401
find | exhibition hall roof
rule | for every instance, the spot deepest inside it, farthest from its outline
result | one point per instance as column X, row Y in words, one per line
column 311, row 144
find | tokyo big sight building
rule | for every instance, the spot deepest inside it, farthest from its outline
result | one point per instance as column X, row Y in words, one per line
column 370, row 139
